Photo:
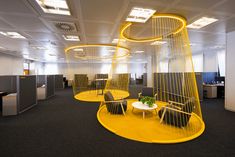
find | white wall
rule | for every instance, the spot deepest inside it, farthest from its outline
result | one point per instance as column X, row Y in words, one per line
column 10, row 65
column 210, row 61
column 230, row 72
column 37, row 68
column 91, row 68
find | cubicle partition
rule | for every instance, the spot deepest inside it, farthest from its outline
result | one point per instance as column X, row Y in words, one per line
column 59, row 82
column 8, row 84
column 20, row 94
column 27, row 92
column 163, row 85
column 45, row 86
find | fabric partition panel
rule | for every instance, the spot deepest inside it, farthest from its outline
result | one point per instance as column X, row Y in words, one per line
column 199, row 79
column 27, row 92
column 41, row 80
column 166, row 93
column 58, row 81
column 209, row 77
column 50, row 85
column 8, row 84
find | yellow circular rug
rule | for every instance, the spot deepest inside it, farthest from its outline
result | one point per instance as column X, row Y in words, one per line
column 95, row 96
column 133, row 126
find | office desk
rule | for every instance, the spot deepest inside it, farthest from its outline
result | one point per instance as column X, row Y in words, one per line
column 213, row 90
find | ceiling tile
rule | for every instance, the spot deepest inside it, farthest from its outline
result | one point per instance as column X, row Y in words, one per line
column 27, row 23
column 201, row 4
column 102, row 29
column 227, row 7
column 14, row 6
column 4, row 25
column 104, row 10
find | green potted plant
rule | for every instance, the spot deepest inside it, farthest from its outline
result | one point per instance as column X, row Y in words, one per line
column 148, row 101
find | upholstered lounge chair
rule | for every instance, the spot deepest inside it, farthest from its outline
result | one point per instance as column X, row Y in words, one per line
column 177, row 114
column 147, row 91
column 114, row 106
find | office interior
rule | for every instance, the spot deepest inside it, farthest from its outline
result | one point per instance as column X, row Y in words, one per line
column 74, row 75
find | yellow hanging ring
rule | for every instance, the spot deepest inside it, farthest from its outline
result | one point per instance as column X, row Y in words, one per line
column 115, row 56
column 182, row 25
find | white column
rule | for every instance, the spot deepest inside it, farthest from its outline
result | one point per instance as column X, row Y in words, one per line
column 149, row 72
column 230, row 72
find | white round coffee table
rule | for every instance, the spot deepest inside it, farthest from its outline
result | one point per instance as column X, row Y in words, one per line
column 139, row 105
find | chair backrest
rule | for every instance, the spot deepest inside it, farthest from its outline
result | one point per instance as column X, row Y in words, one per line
column 189, row 105
column 109, row 97
column 147, row 91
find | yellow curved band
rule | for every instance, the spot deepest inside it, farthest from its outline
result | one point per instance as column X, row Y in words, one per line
column 127, row 50
column 171, row 16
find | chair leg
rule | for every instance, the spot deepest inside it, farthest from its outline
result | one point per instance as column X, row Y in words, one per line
column 163, row 114
column 122, row 109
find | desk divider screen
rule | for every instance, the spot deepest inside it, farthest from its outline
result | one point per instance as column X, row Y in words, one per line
column 8, row 84
column 58, row 81
column 50, row 85
column 27, row 92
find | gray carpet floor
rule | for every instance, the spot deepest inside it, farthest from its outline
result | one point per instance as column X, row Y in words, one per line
column 65, row 127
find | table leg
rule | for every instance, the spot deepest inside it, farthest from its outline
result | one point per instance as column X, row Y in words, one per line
column 143, row 115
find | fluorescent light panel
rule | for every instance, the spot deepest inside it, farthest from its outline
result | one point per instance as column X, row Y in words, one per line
column 54, row 6
column 140, row 15
column 71, row 37
column 78, row 50
column 139, row 51
column 116, row 40
column 158, row 43
column 38, row 47
column 202, row 22
column 13, row 35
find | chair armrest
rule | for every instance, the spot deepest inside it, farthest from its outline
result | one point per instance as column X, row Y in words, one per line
column 176, row 110
column 173, row 106
column 174, row 102
column 114, row 101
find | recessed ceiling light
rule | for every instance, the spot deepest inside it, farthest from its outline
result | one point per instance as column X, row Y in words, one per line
column 14, row 35
column 78, row 50
column 71, row 37
column 140, row 15
column 38, row 48
column 202, row 22
column 52, row 55
column 118, row 40
column 54, row 6
column 139, row 51
column 158, row 43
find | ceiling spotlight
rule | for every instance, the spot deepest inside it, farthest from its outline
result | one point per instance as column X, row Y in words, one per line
column 202, row 22
column 140, row 15
column 38, row 48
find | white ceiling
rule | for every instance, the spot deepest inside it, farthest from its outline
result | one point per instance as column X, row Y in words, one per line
column 98, row 21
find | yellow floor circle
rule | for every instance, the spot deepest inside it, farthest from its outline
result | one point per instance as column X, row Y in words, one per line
column 95, row 96
column 133, row 126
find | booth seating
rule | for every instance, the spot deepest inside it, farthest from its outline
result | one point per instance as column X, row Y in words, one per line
column 9, row 104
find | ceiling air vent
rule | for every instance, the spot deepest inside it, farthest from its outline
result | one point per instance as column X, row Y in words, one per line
column 65, row 26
